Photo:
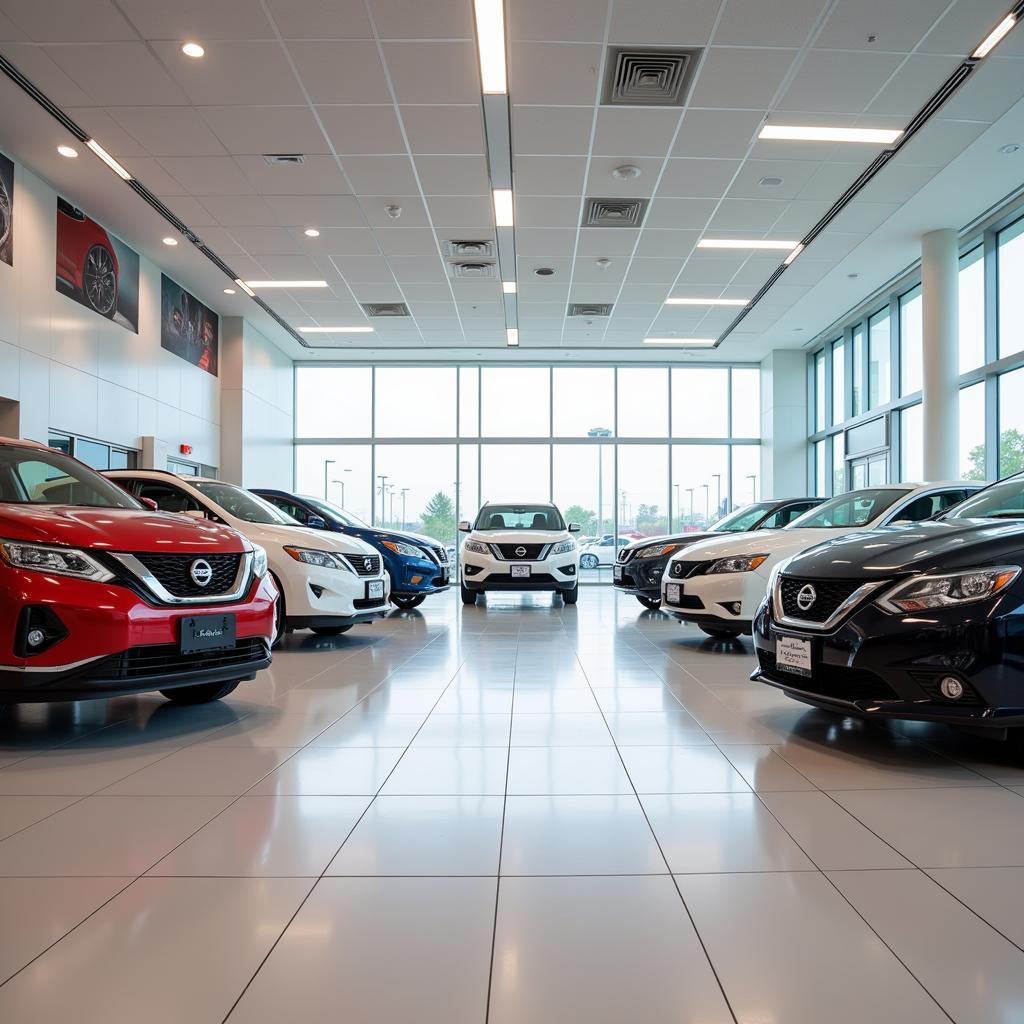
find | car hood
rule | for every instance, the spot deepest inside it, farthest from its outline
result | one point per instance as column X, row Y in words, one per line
column 672, row 538
column 419, row 539
column 944, row 546
column 519, row 536
column 112, row 529
column 775, row 543
column 300, row 536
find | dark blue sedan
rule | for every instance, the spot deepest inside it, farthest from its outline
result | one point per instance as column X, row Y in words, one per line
column 418, row 565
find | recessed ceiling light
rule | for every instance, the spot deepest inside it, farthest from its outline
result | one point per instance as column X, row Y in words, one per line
column 229, row 291
column 744, row 243
column 626, row 172
column 364, row 329
column 286, row 284
column 691, row 342
column 508, row 287
column 603, row 262
column 512, row 337
column 706, row 302
column 170, row 241
column 108, row 160
column 393, row 210
column 1010, row 148
column 793, row 255
column 312, row 233
column 992, row 40
column 770, row 181
column 545, row 272
column 503, row 207
column 69, row 151
column 490, row 42
column 823, row 133
column 193, row 50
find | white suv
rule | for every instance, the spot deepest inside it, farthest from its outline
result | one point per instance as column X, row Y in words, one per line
column 520, row 547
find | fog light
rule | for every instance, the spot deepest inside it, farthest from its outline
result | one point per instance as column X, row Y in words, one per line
column 951, row 688
column 417, row 579
column 735, row 607
column 35, row 637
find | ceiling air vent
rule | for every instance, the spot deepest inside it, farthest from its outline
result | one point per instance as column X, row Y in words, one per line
column 614, row 213
column 464, row 271
column 648, row 76
column 385, row 308
column 470, row 250
column 280, row 159
column 590, row 309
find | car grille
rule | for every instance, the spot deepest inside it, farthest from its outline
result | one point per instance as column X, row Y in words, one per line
column 625, row 554
column 172, row 572
column 166, row 659
column 684, row 570
column 511, row 552
column 364, row 565
column 838, row 682
column 440, row 555
column 368, row 602
column 830, row 595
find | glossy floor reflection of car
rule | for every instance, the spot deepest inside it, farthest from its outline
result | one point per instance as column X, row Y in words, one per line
column 517, row 813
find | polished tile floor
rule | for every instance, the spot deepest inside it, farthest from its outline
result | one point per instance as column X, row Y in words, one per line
column 520, row 813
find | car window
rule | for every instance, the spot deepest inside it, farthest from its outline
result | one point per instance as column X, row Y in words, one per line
column 786, row 515
column 522, row 517
column 244, row 505
column 1003, row 500
column 926, row 506
column 168, row 498
column 34, row 477
column 331, row 511
column 742, row 519
column 289, row 508
column 855, row 508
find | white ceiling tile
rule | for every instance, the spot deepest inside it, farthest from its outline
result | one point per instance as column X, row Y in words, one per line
column 837, row 82
column 829, row 182
column 991, row 90
column 602, row 182
column 906, row 92
column 799, row 217
column 444, row 129
column 607, row 242
column 433, row 310
column 220, row 240
column 341, row 71
column 98, row 123
column 545, row 242
column 424, row 19
column 108, row 72
column 331, row 307
column 717, row 133
column 767, row 22
column 664, row 22
column 191, row 211
column 684, row 178
column 266, row 240
column 549, row 175
column 78, row 22
column 743, row 216
column 586, row 270
column 940, row 141
column 675, row 244
column 897, row 27
column 650, row 271
column 794, row 174
column 966, row 24
column 554, row 73
column 898, row 182
column 453, row 175
column 424, row 293
column 442, row 72
column 364, row 269
column 740, row 77
column 331, row 211
column 249, row 130
column 424, row 269
column 47, row 75
column 547, row 212
column 208, row 175
column 831, row 245
column 407, row 241
column 381, row 175
column 320, row 19
column 679, row 213
column 316, row 175
column 861, row 217
column 461, row 210
column 554, row 130
column 579, row 21
column 167, row 131
column 628, row 133
column 413, row 215
column 362, row 129
column 240, row 211
column 198, row 19
column 293, row 267
column 712, row 270
column 343, row 242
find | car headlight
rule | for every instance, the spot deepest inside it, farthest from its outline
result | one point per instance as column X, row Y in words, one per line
column 57, row 560
column 742, row 563
column 259, row 560
column 957, row 588
column 401, row 548
column 655, row 550
column 563, row 547
column 311, row 556
column 476, row 546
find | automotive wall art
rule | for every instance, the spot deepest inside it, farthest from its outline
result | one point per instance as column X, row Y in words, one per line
column 96, row 268
column 6, row 211
column 188, row 328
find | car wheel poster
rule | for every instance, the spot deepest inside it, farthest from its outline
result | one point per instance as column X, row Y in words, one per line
column 6, row 211
column 95, row 268
column 188, row 328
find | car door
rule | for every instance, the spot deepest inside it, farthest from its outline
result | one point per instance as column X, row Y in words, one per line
column 785, row 515
column 925, row 506
column 288, row 507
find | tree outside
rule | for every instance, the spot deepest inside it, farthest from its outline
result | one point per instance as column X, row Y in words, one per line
column 1011, row 456
column 583, row 516
column 438, row 518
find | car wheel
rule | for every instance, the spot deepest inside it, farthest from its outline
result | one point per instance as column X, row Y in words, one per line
column 99, row 281
column 330, row 630
column 654, row 603
column 588, row 562
column 280, row 617
column 722, row 632
column 201, row 694
column 571, row 596
column 408, row 600
column 468, row 596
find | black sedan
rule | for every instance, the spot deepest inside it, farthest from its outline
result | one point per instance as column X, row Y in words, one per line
column 922, row 622
column 640, row 566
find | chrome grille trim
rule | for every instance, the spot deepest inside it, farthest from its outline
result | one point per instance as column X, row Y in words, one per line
column 164, row 596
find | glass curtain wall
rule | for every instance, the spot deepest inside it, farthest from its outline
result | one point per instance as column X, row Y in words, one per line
column 627, row 452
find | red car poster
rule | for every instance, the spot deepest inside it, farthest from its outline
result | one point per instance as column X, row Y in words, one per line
column 188, row 328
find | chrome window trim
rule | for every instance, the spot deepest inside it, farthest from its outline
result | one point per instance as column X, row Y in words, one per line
column 162, row 594
column 833, row 620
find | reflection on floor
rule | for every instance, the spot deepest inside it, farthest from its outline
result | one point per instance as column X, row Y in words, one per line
column 517, row 813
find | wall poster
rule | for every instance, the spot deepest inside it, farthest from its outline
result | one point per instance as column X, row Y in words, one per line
column 188, row 328
column 6, row 211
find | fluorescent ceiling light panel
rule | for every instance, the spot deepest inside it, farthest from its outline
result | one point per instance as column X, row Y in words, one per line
column 691, row 342
column 490, row 42
column 809, row 133
column 245, row 288
column 744, row 243
column 503, row 207
column 512, row 337
column 508, row 287
column 108, row 160
column 995, row 37
column 706, row 302
column 286, row 284
column 337, row 330
column 793, row 255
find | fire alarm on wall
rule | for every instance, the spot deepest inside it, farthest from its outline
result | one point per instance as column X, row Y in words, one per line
column 185, row 449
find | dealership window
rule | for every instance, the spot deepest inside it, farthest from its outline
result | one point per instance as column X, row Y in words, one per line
column 746, row 402
column 878, row 360
column 643, row 402
column 819, row 391
column 700, row 402
column 858, row 371
column 972, row 309
column 420, row 400
column 838, row 381
column 972, row 432
column 584, row 401
column 337, row 401
column 1010, row 266
column 97, row 454
column 912, row 443
column 838, row 463
column 911, row 341
column 820, row 484
column 1011, row 422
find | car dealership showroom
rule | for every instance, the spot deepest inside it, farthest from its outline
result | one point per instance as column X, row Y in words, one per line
column 512, row 511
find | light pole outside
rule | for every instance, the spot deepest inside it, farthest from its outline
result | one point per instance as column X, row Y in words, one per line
column 600, row 432
column 752, row 477
column 405, row 491
column 707, row 504
column 717, row 477
column 382, row 477
column 342, row 482
column 689, row 491
column 327, row 462
column 679, row 511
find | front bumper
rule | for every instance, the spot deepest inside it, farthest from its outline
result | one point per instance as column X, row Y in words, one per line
column 640, row 576
column 483, row 572
column 878, row 665
column 413, row 576
column 331, row 597
column 724, row 599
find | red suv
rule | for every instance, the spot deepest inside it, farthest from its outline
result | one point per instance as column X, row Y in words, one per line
column 100, row 596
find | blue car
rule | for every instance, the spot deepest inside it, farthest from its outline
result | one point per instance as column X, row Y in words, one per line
column 418, row 565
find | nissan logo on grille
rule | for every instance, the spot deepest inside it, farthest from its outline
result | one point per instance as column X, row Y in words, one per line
column 520, row 551
column 201, row 572
column 368, row 564
column 806, row 597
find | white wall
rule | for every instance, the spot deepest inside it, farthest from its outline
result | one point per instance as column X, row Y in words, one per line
column 72, row 370
column 784, row 425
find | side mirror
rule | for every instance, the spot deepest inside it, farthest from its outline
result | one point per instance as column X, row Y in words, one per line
column 902, row 522
column 316, row 523
column 574, row 527
column 150, row 504
column 194, row 513
column 464, row 526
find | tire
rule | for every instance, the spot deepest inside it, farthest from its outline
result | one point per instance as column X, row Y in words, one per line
column 408, row 600
column 202, row 693
column 281, row 616
column 589, row 561
column 654, row 603
column 571, row 596
column 468, row 596
column 330, row 630
column 722, row 632
column 99, row 281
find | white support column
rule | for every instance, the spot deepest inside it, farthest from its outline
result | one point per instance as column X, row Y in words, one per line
column 784, row 425
column 941, row 369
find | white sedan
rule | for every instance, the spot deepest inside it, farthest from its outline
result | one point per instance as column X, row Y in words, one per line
column 602, row 551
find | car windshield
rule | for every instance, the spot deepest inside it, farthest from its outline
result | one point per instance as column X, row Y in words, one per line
column 1004, row 500
column 331, row 511
column 243, row 504
column 37, row 476
column 519, row 517
column 856, row 508
column 743, row 518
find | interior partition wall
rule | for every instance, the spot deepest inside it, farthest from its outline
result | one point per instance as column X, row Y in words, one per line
column 627, row 452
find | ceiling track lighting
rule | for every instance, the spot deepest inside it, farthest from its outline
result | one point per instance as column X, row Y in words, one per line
column 996, row 36
column 705, row 302
column 490, row 45
column 810, row 133
column 108, row 160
